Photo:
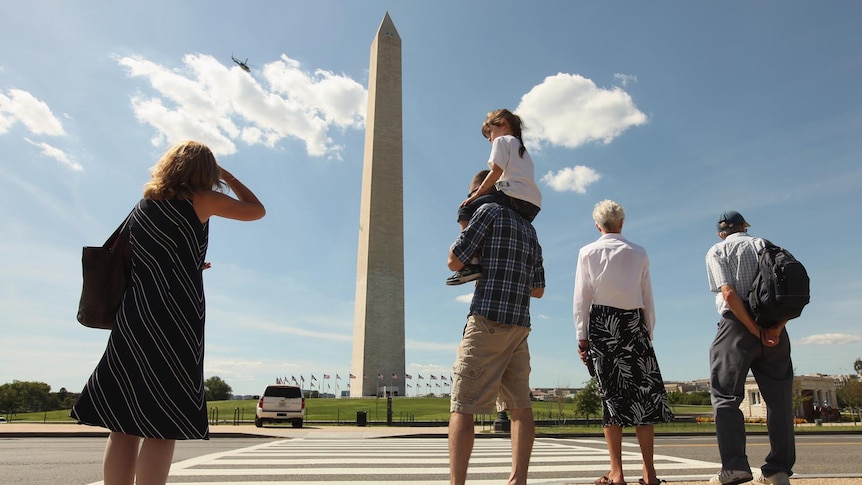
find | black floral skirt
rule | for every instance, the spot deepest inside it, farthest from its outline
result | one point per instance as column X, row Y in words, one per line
column 629, row 379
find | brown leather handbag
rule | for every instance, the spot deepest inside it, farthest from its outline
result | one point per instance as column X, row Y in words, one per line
column 106, row 271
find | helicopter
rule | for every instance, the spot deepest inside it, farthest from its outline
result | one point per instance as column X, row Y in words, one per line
column 241, row 64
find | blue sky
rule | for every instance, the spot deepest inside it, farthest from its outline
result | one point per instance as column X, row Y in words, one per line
column 678, row 110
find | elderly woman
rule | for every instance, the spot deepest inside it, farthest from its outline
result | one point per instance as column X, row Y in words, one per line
column 614, row 318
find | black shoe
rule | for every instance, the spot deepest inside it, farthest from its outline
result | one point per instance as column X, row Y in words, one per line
column 469, row 272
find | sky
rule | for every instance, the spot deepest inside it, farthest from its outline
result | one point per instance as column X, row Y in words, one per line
column 677, row 110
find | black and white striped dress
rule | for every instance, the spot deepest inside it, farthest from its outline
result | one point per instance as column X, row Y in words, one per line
column 149, row 382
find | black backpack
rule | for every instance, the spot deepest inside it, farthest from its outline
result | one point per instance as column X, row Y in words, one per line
column 781, row 289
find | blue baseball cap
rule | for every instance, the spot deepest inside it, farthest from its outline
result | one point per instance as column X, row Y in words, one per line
column 730, row 220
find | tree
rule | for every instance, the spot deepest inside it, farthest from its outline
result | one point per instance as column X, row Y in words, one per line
column 851, row 394
column 24, row 396
column 857, row 366
column 217, row 389
column 587, row 401
column 10, row 400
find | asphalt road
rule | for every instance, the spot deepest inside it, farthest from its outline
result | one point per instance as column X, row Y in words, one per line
column 71, row 461
column 829, row 459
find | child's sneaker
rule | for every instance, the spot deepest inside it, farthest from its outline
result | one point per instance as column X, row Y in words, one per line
column 469, row 272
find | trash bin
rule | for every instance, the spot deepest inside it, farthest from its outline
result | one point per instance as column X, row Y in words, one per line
column 361, row 418
column 502, row 423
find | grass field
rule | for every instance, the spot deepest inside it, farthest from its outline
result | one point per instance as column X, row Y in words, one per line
column 404, row 410
column 553, row 418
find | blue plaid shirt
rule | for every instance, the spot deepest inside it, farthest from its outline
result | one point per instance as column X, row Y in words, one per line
column 511, row 260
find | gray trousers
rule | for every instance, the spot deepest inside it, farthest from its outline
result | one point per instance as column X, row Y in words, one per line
column 733, row 352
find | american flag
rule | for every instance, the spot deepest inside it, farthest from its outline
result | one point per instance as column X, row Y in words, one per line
column 337, row 377
column 313, row 378
column 380, row 376
column 395, row 376
column 352, row 376
column 326, row 376
column 292, row 378
column 408, row 376
column 433, row 377
column 420, row 376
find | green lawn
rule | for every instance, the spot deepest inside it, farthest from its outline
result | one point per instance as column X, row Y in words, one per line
column 344, row 410
column 433, row 410
column 331, row 410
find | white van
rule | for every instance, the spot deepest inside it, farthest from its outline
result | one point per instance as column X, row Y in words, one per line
column 280, row 404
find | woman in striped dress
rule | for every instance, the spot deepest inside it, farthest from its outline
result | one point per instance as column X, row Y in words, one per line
column 149, row 383
column 614, row 318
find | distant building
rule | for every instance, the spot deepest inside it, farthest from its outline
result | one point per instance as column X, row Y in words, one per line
column 552, row 393
column 816, row 389
column 687, row 386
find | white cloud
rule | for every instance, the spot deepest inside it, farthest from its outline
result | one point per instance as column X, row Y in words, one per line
column 464, row 298
column 570, row 110
column 830, row 339
column 219, row 105
column 625, row 79
column 57, row 154
column 6, row 119
column 32, row 112
column 574, row 179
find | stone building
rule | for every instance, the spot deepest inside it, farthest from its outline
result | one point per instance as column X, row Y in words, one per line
column 817, row 390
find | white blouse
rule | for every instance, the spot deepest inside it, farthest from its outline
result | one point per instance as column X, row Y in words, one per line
column 612, row 271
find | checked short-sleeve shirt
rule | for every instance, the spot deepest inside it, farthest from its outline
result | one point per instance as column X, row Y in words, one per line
column 732, row 262
column 511, row 260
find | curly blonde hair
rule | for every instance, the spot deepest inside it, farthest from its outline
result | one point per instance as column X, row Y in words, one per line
column 184, row 169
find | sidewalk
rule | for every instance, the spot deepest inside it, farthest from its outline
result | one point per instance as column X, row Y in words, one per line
column 795, row 481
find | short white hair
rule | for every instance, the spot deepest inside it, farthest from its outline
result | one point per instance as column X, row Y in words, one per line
column 609, row 215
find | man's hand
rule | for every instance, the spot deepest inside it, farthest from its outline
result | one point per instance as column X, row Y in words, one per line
column 453, row 262
column 739, row 309
column 770, row 337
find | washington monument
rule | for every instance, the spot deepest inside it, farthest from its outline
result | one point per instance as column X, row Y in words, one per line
column 378, row 328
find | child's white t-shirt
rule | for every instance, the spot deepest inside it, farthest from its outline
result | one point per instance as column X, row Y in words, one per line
column 518, row 180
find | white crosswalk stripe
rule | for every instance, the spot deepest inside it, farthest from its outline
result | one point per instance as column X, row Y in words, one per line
column 417, row 461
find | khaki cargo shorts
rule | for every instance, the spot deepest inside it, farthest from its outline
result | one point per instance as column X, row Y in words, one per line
column 492, row 365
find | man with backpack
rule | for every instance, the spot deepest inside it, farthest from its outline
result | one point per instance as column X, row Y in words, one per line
column 741, row 345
